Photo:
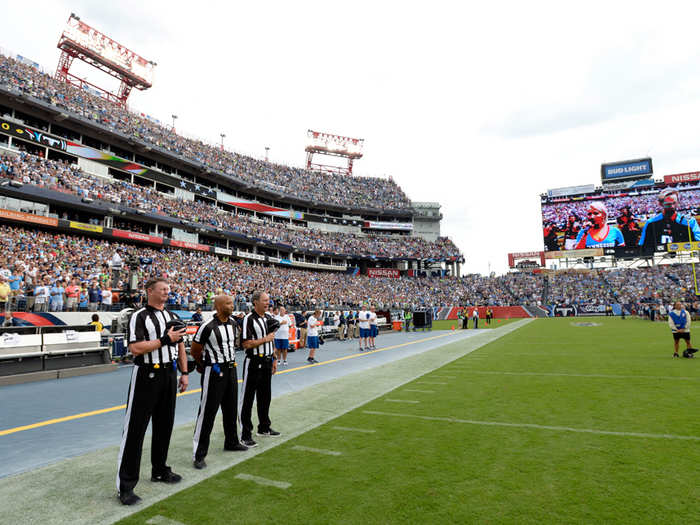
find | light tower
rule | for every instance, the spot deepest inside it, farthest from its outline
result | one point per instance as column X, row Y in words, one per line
column 87, row 44
column 333, row 146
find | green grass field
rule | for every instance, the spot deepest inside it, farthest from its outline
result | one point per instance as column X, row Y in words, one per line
column 553, row 423
column 447, row 325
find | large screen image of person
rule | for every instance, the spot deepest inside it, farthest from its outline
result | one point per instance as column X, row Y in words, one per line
column 645, row 220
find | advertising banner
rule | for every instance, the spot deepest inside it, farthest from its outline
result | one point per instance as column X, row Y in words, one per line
column 137, row 236
column 264, row 208
column 384, row 225
column 590, row 252
column 223, row 251
column 28, row 217
column 571, row 190
column 85, row 227
column 683, row 246
column 190, row 245
column 626, row 169
column 524, row 255
column 682, row 177
column 383, row 272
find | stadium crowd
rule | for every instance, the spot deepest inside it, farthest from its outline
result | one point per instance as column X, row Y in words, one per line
column 59, row 175
column 55, row 272
column 353, row 191
column 33, row 258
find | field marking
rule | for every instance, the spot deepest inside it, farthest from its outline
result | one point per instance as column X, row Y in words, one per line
column 264, row 481
column 419, row 391
column 429, row 383
column 538, row 427
column 162, row 520
column 564, row 374
column 402, row 401
column 317, row 450
column 351, row 429
column 443, row 377
column 54, row 421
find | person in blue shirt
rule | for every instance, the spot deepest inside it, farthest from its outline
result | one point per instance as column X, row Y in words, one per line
column 597, row 233
column 679, row 322
column 57, row 292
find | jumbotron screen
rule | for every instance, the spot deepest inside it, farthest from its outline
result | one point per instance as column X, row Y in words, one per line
column 646, row 219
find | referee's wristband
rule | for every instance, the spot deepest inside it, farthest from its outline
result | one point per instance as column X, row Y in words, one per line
column 185, row 373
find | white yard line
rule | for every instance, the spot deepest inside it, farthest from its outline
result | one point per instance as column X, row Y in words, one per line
column 410, row 401
column 264, row 481
column 565, row 374
column 538, row 427
column 351, row 429
column 317, row 450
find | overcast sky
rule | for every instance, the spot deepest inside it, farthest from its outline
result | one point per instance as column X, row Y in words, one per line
column 479, row 106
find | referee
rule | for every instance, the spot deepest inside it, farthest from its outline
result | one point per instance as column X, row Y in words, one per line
column 213, row 348
column 258, row 368
column 152, row 391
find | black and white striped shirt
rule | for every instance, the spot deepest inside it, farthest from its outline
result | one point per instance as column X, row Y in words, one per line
column 218, row 340
column 148, row 324
column 255, row 327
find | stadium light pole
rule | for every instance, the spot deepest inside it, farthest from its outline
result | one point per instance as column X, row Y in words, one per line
column 174, row 118
column 267, row 152
column 223, row 136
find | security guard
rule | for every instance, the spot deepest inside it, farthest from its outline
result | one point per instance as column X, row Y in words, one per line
column 157, row 348
column 258, row 368
column 213, row 348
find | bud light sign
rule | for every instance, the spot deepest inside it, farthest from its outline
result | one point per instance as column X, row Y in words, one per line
column 628, row 169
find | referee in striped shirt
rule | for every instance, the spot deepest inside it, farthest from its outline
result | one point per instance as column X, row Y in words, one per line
column 213, row 348
column 258, row 368
column 152, row 392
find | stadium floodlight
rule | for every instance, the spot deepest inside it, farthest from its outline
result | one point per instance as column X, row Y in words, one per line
column 319, row 143
column 89, row 45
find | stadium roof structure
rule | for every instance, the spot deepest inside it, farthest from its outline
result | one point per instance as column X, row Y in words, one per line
column 89, row 45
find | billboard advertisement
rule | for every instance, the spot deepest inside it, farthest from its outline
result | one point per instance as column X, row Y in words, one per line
column 693, row 176
column 383, row 272
column 512, row 257
column 644, row 218
column 626, row 169
column 385, row 225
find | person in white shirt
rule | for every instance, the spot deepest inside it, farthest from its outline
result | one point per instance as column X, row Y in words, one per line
column 373, row 327
column 106, row 298
column 314, row 323
column 282, row 334
column 679, row 322
column 42, row 292
column 363, row 320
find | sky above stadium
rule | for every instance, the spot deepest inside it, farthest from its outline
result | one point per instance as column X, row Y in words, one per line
column 481, row 107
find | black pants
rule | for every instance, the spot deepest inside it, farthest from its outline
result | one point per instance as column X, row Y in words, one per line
column 476, row 322
column 152, row 394
column 218, row 390
column 257, row 384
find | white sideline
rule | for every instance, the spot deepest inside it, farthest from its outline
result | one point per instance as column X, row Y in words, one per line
column 564, row 374
column 264, row 481
column 535, row 426
column 351, row 429
column 317, row 450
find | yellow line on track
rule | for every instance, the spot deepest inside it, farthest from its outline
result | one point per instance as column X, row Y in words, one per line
column 198, row 390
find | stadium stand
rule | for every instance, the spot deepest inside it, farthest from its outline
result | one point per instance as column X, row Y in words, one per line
column 333, row 189
column 60, row 176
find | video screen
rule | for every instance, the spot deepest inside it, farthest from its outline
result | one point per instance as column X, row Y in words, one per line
column 646, row 219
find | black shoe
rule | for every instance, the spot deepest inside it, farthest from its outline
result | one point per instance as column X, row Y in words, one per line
column 249, row 442
column 168, row 477
column 129, row 498
column 268, row 433
column 311, row 360
column 237, row 447
column 199, row 464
